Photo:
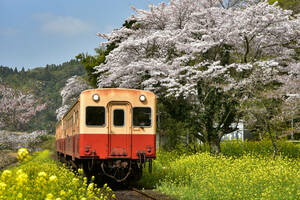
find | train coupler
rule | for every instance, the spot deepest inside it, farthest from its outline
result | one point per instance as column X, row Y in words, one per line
column 142, row 159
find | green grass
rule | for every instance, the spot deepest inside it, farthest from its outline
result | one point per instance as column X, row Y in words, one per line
column 48, row 142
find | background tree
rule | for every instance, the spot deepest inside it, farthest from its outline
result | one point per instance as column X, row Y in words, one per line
column 89, row 62
column 70, row 93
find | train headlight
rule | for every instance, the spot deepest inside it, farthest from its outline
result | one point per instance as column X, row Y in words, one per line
column 142, row 98
column 96, row 97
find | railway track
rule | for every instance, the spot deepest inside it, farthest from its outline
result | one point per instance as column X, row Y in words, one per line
column 134, row 194
column 147, row 196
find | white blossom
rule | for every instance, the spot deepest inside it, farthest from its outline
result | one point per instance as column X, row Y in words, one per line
column 16, row 140
column 18, row 107
column 163, row 42
column 70, row 92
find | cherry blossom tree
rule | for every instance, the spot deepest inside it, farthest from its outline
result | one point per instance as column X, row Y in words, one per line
column 17, row 107
column 270, row 110
column 178, row 48
column 15, row 141
column 291, row 91
column 70, row 93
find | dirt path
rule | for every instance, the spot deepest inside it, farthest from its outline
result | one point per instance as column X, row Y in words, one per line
column 7, row 159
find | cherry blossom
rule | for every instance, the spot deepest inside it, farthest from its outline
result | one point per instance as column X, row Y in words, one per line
column 167, row 44
column 18, row 107
column 70, row 92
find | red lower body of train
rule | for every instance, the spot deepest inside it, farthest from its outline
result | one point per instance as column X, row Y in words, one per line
column 117, row 156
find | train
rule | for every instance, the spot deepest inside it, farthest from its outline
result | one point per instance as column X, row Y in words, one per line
column 109, row 132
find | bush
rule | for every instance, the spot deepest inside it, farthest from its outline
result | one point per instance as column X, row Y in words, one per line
column 259, row 148
column 238, row 148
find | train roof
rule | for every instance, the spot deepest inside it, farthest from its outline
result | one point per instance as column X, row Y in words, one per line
column 115, row 89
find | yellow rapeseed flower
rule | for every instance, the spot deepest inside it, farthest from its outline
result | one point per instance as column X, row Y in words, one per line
column 49, row 196
column 20, row 171
column 22, row 178
column 53, row 178
column 80, row 171
column 42, row 174
column 6, row 174
column 20, row 195
column 22, row 154
column 62, row 193
column 2, row 186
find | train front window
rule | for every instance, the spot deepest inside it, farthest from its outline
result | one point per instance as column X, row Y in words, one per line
column 95, row 116
column 141, row 116
column 118, row 117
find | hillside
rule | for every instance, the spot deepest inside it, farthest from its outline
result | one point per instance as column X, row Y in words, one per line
column 28, row 99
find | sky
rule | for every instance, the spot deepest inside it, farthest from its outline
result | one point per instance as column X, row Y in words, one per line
column 34, row 33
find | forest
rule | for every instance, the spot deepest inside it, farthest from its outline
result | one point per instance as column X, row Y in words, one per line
column 29, row 99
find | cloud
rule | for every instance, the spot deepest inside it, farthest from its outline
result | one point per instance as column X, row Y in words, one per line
column 62, row 25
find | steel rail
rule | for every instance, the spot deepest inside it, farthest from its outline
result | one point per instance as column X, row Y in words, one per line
column 143, row 193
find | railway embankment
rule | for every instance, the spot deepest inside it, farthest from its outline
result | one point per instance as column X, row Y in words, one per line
column 7, row 158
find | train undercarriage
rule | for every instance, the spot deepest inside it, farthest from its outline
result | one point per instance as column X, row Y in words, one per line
column 117, row 170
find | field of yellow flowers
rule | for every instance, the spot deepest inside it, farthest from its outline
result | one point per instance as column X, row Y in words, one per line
column 41, row 178
column 203, row 176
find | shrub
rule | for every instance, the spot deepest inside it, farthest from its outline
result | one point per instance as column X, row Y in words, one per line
column 264, row 147
column 238, row 148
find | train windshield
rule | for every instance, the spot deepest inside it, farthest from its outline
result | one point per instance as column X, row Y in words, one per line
column 95, row 116
column 118, row 117
column 141, row 116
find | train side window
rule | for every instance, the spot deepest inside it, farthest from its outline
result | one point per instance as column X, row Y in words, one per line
column 119, row 117
column 141, row 116
column 95, row 116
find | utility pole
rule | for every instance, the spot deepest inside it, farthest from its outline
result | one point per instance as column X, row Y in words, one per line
column 292, row 135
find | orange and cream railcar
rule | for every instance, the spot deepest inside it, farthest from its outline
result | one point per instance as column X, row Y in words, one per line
column 109, row 129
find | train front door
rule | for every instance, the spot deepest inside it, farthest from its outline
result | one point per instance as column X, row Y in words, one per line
column 119, row 129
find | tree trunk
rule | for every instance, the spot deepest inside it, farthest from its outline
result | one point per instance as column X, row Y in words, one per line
column 215, row 147
column 274, row 141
